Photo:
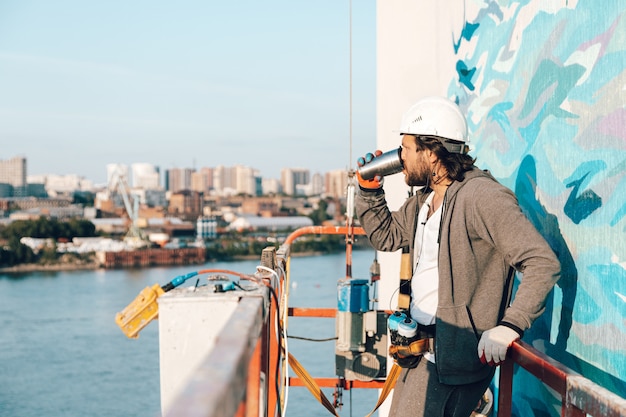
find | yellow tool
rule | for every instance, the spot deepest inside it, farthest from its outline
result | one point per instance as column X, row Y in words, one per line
column 140, row 312
column 144, row 308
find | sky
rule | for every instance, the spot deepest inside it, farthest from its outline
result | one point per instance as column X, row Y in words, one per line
column 186, row 84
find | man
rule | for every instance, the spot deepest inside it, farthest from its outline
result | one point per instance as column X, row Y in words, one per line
column 466, row 234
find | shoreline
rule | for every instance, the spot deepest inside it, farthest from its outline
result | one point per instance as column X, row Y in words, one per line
column 50, row 267
column 78, row 266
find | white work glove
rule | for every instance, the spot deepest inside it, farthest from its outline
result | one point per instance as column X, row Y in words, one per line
column 494, row 343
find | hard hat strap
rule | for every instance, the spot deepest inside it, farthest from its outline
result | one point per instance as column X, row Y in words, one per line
column 454, row 146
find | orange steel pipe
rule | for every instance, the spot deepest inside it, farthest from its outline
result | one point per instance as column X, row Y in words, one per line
column 552, row 373
column 253, row 389
column 317, row 312
column 505, row 388
column 547, row 370
column 323, row 230
column 335, row 382
column 312, row 312
column 273, row 402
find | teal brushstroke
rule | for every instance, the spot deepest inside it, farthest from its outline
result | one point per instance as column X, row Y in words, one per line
column 580, row 205
column 592, row 167
column 466, row 33
column 586, row 310
column 498, row 114
column 618, row 216
column 612, row 281
column 556, row 79
column 465, row 75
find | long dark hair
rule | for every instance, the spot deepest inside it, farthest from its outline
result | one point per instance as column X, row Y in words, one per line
column 456, row 164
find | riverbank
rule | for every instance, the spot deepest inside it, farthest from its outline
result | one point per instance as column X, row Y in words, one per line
column 52, row 267
column 93, row 264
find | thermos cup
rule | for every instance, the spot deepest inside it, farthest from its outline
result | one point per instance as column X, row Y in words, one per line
column 386, row 164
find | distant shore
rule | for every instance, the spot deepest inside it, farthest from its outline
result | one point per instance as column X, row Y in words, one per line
column 50, row 267
column 91, row 265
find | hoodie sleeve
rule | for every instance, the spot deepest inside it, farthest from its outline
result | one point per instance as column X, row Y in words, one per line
column 499, row 219
column 387, row 231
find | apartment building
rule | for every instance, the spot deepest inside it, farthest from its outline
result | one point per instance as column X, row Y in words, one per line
column 13, row 176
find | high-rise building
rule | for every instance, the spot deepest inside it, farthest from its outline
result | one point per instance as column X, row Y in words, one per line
column 317, row 184
column 290, row 178
column 245, row 182
column 336, row 183
column 13, row 173
column 224, row 180
column 270, row 186
column 238, row 179
column 179, row 179
column 202, row 181
column 145, row 176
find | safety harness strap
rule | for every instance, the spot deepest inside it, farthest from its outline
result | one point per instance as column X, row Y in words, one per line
column 390, row 382
column 311, row 385
column 406, row 273
column 317, row 392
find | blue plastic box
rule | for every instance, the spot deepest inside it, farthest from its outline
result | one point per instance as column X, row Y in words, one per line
column 353, row 295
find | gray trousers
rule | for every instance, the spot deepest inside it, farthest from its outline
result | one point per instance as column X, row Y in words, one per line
column 418, row 393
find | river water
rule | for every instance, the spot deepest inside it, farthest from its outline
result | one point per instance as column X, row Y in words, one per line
column 62, row 355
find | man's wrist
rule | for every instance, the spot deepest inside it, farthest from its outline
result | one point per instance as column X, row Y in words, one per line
column 512, row 327
column 377, row 190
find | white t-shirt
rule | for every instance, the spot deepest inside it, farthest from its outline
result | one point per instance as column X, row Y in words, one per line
column 425, row 281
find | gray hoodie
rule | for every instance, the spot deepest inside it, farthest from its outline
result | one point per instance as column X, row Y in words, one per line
column 483, row 234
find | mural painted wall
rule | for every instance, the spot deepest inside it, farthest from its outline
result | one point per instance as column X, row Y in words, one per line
column 543, row 84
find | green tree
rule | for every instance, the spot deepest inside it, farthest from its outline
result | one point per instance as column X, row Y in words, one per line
column 320, row 214
column 49, row 254
column 23, row 254
column 49, row 228
column 42, row 228
column 7, row 257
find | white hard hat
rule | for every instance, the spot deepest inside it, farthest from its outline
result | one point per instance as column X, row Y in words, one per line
column 439, row 117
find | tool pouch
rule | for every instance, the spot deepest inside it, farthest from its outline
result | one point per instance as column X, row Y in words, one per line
column 409, row 362
column 408, row 352
column 407, row 356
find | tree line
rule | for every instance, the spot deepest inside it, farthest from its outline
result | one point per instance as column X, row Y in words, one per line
column 229, row 246
column 13, row 252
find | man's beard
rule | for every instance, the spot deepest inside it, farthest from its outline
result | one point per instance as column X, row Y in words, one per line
column 417, row 178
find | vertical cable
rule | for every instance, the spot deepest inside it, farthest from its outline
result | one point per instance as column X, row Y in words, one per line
column 350, row 76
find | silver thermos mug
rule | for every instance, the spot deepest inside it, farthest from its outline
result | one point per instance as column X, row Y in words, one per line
column 386, row 164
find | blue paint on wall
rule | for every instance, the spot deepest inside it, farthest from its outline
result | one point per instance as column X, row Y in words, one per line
column 465, row 75
column 612, row 279
column 542, row 84
column 468, row 31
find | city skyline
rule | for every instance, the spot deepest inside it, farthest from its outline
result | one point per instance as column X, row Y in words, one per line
column 15, row 181
column 204, row 84
column 162, row 170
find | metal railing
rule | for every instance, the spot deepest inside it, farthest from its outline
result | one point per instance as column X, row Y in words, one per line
column 579, row 395
column 240, row 377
